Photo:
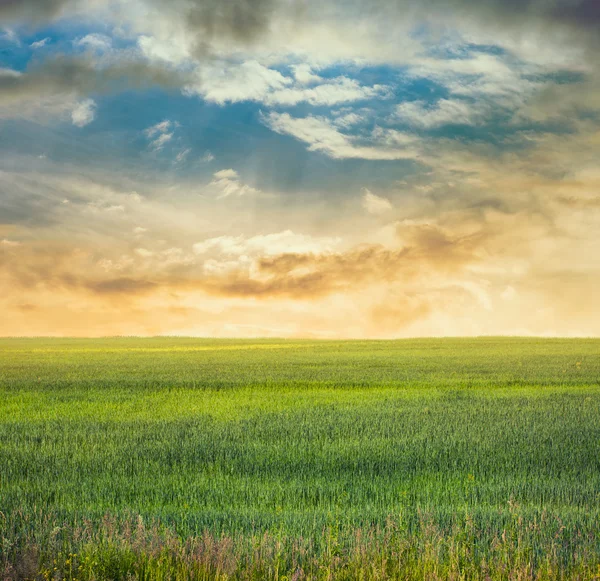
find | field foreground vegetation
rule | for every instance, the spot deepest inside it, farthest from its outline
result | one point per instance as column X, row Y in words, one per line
column 270, row 459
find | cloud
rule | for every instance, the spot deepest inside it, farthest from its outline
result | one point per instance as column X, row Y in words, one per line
column 231, row 83
column 227, row 182
column 304, row 74
column 94, row 41
column 579, row 13
column 282, row 264
column 120, row 286
column 348, row 120
column 182, row 155
column 242, row 21
column 103, row 206
column 250, row 23
column 252, row 81
column 375, row 31
column 553, row 22
column 161, row 127
column 584, row 13
column 479, row 86
column 266, row 244
column 64, row 75
column 339, row 90
column 144, row 253
column 578, row 202
column 322, row 135
column 7, row 74
column 205, row 27
column 427, row 250
column 245, row 54
column 84, row 113
column 9, row 35
column 446, row 274
column 159, row 134
column 9, row 243
column 375, row 204
column 32, row 10
column 509, row 205
column 161, row 140
column 40, row 43
column 445, row 112
column 171, row 51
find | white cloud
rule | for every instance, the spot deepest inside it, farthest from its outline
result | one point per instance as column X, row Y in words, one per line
column 84, row 113
column 249, row 81
column 252, row 81
column 226, row 173
column 227, row 182
column 9, row 243
column 161, row 127
column 160, row 141
column 339, row 90
column 484, row 76
column 159, row 134
column 4, row 72
column 182, row 155
column 321, row 135
column 304, row 74
column 392, row 137
column 39, row 43
column 94, row 41
column 207, row 157
column 10, row 35
column 173, row 50
column 446, row 111
column 286, row 242
column 375, row 204
column 348, row 120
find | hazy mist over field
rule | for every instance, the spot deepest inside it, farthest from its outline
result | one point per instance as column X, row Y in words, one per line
column 347, row 168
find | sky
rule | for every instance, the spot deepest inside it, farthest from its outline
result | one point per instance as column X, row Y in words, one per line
column 299, row 168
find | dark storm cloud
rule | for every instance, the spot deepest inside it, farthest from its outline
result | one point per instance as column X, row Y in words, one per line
column 32, row 10
column 82, row 75
column 248, row 21
column 242, row 22
column 584, row 13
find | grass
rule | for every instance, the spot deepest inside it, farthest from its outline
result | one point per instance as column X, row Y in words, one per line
column 185, row 458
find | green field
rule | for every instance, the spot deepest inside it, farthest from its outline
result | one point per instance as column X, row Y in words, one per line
column 187, row 458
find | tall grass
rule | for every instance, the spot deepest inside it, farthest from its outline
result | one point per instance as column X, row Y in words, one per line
column 126, row 548
column 446, row 458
